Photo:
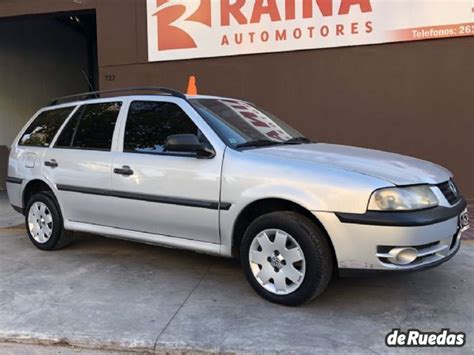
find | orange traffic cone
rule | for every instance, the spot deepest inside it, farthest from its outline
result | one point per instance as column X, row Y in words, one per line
column 192, row 88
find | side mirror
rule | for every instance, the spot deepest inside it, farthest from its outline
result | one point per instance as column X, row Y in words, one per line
column 187, row 143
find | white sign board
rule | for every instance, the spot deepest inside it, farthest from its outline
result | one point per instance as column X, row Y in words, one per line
column 185, row 29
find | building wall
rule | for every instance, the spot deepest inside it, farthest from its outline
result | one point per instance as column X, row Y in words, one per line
column 411, row 98
column 39, row 59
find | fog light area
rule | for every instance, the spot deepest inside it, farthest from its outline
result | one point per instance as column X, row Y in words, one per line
column 402, row 256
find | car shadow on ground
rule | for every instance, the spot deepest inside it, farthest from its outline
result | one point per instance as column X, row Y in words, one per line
column 361, row 289
column 116, row 291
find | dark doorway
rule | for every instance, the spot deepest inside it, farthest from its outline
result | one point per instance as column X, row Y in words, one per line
column 42, row 57
column 85, row 24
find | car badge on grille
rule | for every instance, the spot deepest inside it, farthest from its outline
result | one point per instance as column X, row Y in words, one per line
column 453, row 188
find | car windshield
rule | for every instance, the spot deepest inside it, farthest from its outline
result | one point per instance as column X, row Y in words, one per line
column 242, row 124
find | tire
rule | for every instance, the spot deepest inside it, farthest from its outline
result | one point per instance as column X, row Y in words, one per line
column 300, row 244
column 44, row 223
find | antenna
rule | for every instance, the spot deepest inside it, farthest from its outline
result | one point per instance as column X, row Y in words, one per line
column 91, row 88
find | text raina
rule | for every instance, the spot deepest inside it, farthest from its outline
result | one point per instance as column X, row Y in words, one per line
column 288, row 10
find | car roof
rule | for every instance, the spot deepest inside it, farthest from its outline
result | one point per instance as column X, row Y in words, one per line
column 124, row 97
column 57, row 104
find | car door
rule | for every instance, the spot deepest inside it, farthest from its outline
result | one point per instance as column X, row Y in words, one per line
column 159, row 192
column 79, row 163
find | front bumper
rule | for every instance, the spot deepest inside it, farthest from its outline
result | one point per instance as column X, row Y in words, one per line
column 347, row 272
column 364, row 246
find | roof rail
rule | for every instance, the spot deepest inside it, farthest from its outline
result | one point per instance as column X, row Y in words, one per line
column 96, row 94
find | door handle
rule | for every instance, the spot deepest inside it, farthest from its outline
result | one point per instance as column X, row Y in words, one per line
column 51, row 163
column 124, row 170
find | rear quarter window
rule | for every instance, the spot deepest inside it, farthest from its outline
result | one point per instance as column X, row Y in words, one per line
column 91, row 127
column 42, row 130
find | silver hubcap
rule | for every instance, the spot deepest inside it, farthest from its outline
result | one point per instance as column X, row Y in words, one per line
column 277, row 261
column 40, row 222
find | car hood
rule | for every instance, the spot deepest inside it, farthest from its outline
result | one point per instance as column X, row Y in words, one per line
column 394, row 168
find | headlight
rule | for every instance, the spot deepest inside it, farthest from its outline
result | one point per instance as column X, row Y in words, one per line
column 403, row 198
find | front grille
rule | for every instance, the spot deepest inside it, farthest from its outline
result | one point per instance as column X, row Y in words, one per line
column 451, row 196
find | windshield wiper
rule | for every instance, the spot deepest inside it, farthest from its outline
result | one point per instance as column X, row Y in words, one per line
column 297, row 140
column 257, row 143
column 267, row 142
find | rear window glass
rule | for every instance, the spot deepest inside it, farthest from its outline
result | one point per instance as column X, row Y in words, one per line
column 91, row 127
column 42, row 130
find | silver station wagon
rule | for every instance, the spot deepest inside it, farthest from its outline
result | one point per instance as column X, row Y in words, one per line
column 221, row 176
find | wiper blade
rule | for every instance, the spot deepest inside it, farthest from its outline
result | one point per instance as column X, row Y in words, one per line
column 266, row 142
column 257, row 143
column 297, row 140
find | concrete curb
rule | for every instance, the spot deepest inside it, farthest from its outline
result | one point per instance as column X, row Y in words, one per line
column 85, row 343
column 89, row 344
column 93, row 345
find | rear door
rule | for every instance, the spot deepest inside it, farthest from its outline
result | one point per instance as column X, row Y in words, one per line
column 172, row 194
column 79, row 163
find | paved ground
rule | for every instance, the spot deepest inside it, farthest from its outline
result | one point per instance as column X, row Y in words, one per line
column 29, row 349
column 102, row 295
column 109, row 294
column 8, row 217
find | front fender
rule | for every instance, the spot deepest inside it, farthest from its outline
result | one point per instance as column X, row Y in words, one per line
column 284, row 192
column 248, row 177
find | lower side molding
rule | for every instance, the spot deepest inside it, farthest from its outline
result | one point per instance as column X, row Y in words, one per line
column 19, row 209
column 213, row 205
column 13, row 180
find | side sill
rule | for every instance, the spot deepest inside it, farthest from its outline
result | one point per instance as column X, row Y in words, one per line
column 147, row 238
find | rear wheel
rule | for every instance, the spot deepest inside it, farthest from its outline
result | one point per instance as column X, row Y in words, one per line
column 286, row 258
column 44, row 223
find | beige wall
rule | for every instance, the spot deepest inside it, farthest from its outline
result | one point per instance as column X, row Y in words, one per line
column 39, row 59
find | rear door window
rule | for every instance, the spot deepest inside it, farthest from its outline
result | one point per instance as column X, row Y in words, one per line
column 42, row 130
column 92, row 127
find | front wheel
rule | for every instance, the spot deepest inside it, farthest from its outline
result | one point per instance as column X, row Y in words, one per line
column 286, row 258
